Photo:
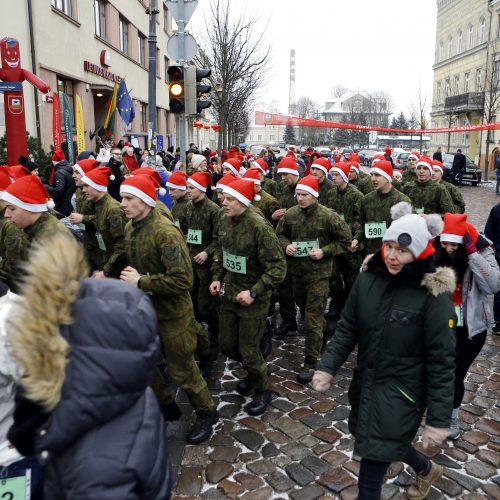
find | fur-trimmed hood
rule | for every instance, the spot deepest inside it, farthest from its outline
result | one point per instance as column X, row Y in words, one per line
column 422, row 272
column 88, row 347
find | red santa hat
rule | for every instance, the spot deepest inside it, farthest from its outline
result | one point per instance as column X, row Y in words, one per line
column 177, row 180
column 309, row 184
column 234, row 165
column 321, row 163
column 5, row 178
column 58, row 156
column 98, row 178
column 397, row 174
column 288, row 165
column 353, row 166
column 426, row 162
column 261, row 164
column 242, row 190
column 143, row 187
column 377, row 157
column 150, row 172
column 291, row 154
column 252, row 174
column 29, row 194
column 383, row 168
column 455, row 226
column 200, row 180
column 354, row 157
column 437, row 165
column 388, row 151
column 225, row 180
column 343, row 169
column 18, row 171
column 414, row 155
column 84, row 166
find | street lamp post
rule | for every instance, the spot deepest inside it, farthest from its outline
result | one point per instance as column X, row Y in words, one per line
column 152, row 11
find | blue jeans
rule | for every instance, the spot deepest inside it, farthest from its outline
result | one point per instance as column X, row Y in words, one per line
column 19, row 469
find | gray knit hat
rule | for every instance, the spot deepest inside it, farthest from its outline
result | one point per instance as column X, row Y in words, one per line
column 412, row 231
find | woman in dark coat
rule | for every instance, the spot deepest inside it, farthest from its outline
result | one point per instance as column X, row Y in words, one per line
column 401, row 316
column 88, row 348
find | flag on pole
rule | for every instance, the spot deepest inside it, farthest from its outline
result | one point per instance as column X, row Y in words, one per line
column 124, row 104
column 80, row 127
column 68, row 127
column 56, row 122
column 112, row 106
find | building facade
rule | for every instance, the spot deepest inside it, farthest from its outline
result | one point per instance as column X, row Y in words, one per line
column 83, row 48
column 465, row 89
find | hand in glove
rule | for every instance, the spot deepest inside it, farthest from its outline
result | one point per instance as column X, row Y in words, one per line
column 433, row 436
column 470, row 246
column 321, row 381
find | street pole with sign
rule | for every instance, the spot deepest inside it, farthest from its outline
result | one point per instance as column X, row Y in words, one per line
column 152, row 11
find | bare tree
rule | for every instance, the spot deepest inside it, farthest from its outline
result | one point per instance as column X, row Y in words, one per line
column 419, row 109
column 235, row 53
column 338, row 91
column 380, row 104
column 305, row 107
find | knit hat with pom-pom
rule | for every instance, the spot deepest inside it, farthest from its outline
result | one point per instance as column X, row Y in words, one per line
column 413, row 232
column 98, row 178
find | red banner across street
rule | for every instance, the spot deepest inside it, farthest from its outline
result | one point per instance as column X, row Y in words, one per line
column 262, row 118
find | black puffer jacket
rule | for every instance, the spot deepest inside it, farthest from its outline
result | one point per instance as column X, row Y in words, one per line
column 404, row 327
column 63, row 188
column 89, row 364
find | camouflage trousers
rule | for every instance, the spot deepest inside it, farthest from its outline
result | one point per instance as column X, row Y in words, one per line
column 179, row 339
column 240, row 334
column 286, row 298
column 344, row 273
column 311, row 297
column 206, row 306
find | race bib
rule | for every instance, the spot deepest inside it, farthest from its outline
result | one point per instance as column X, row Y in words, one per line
column 375, row 230
column 14, row 488
column 419, row 211
column 101, row 244
column 304, row 247
column 234, row 263
column 194, row 236
column 460, row 319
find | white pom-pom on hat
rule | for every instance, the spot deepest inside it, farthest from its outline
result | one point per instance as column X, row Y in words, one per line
column 50, row 204
column 434, row 224
column 400, row 209
column 111, row 177
column 162, row 192
column 257, row 197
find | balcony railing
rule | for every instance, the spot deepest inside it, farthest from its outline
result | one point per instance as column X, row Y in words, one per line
column 472, row 101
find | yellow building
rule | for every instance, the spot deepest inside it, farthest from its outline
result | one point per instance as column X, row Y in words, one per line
column 83, row 48
column 465, row 75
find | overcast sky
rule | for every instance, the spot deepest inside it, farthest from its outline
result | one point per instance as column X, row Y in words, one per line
column 360, row 44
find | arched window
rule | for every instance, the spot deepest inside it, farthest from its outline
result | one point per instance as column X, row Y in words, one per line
column 441, row 51
column 481, row 34
column 450, row 43
column 470, row 34
column 459, row 42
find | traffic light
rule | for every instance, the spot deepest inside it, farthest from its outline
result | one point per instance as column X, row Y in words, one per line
column 176, row 89
column 195, row 89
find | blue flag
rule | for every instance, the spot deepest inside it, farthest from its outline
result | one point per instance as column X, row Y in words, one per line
column 124, row 104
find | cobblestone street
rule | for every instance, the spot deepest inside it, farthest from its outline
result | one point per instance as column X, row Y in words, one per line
column 301, row 447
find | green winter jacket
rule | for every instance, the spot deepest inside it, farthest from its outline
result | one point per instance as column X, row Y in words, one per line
column 404, row 327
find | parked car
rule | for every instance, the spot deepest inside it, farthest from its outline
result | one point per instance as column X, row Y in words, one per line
column 276, row 149
column 346, row 152
column 255, row 150
column 401, row 160
column 366, row 155
column 472, row 172
column 325, row 152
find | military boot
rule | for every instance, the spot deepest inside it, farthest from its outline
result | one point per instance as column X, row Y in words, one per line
column 259, row 403
column 244, row 386
column 288, row 327
column 306, row 373
column 202, row 427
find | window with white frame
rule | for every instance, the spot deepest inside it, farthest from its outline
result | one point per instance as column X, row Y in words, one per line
column 100, row 18
column 450, row 45
column 479, row 80
column 438, row 92
column 141, row 41
column 470, row 35
column 466, row 82
column 123, row 35
column 459, row 42
column 63, row 6
column 448, row 87
column 481, row 34
column 441, row 51
column 456, row 89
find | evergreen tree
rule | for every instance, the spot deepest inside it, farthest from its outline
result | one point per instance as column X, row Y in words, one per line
column 402, row 122
column 290, row 135
column 394, row 123
column 342, row 136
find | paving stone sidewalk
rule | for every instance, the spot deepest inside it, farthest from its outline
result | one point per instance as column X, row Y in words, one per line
column 301, row 447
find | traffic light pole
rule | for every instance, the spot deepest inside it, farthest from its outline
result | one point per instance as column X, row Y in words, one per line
column 152, row 11
column 181, row 25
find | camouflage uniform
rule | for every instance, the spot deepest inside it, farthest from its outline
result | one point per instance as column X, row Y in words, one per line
column 44, row 227
column 456, row 197
column 86, row 209
column 201, row 222
column 12, row 244
column 397, row 185
column 267, row 205
column 376, row 207
column 156, row 248
column 271, row 187
column 429, row 197
column 285, row 290
column 363, row 183
column 258, row 264
column 347, row 203
column 409, row 176
column 178, row 209
column 110, row 224
column 164, row 210
column 310, row 277
column 325, row 188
